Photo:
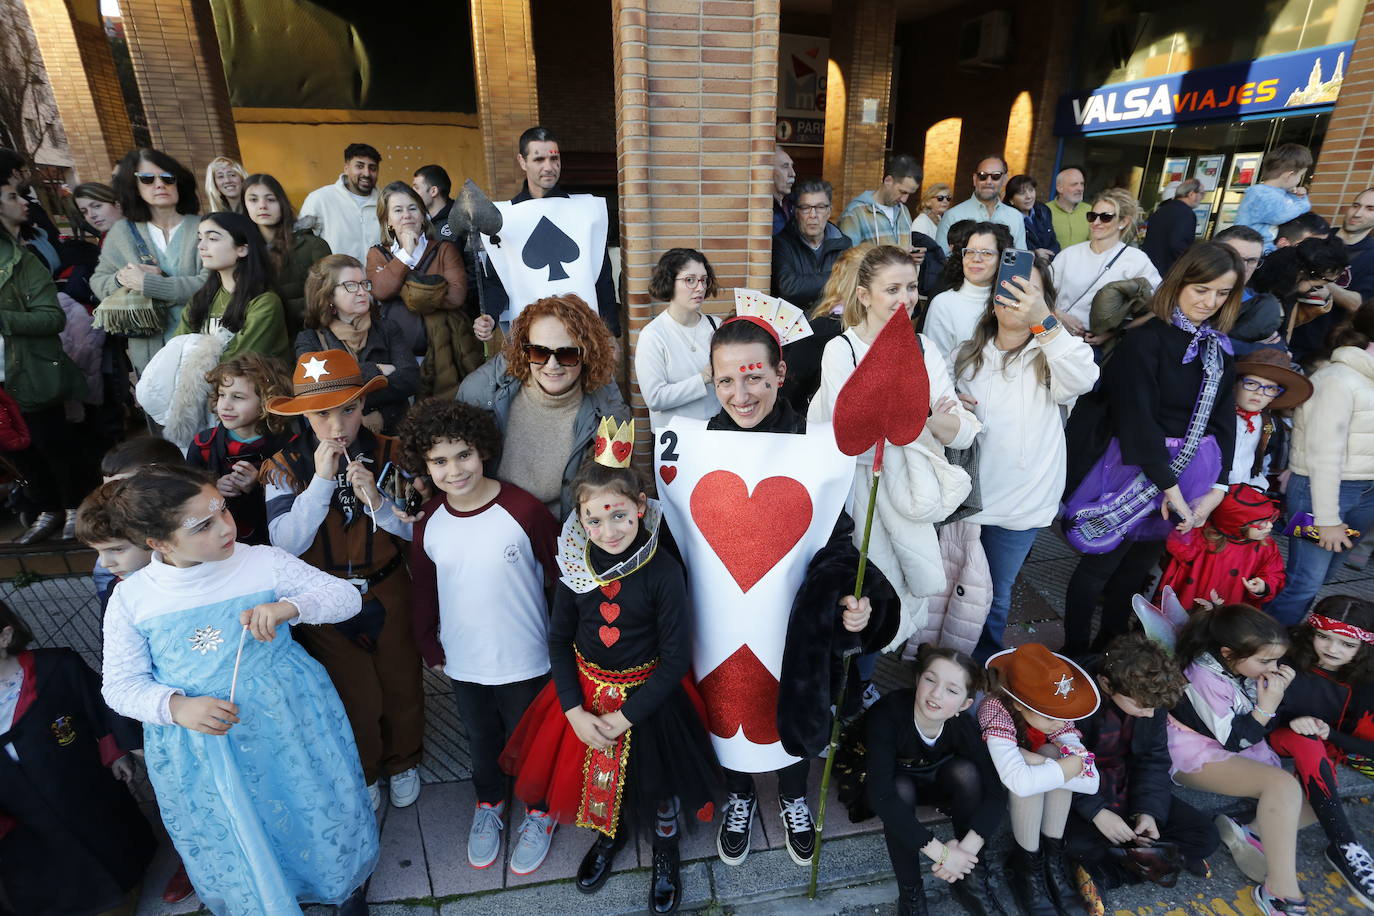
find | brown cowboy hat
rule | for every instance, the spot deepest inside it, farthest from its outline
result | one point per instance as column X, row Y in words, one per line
column 324, row 379
column 1046, row 682
column 1273, row 363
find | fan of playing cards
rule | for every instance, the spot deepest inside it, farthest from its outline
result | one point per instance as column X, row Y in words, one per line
column 788, row 320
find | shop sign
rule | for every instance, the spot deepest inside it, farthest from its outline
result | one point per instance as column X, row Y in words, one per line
column 1267, row 85
column 803, row 62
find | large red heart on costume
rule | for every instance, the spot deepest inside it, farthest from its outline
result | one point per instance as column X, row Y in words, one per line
column 609, row 612
column 888, row 394
column 611, row 589
column 621, row 450
column 741, row 694
column 609, row 636
column 668, row 472
column 750, row 534
column 600, row 446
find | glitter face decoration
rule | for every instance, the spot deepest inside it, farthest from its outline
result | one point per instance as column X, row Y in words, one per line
column 216, row 507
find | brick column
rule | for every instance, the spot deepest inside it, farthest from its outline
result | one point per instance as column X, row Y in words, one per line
column 696, row 88
column 1346, row 164
column 180, row 76
column 81, row 71
column 507, row 91
column 861, row 39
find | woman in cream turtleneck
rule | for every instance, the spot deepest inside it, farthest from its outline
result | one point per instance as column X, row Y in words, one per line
column 954, row 314
column 549, row 388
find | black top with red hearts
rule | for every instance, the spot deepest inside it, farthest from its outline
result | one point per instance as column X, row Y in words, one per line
column 623, row 624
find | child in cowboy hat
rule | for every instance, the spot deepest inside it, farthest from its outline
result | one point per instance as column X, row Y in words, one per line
column 1027, row 722
column 324, row 506
column 1264, row 383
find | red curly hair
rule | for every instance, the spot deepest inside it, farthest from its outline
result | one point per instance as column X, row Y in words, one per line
column 584, row 326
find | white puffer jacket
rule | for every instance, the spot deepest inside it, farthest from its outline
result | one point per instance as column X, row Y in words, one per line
column 955, row 618
column 1333, row 431
column 172, row 389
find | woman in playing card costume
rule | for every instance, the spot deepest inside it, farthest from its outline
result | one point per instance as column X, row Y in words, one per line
column 323, row 505
column 772, row 563
column 72, row 840
column 198, row 647
column 1327, row 717
column 617, row 739
column 1154, row 442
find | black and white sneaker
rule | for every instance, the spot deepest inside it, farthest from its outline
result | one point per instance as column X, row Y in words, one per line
column 736, row 825
column 801, row 831
column 1356, row 869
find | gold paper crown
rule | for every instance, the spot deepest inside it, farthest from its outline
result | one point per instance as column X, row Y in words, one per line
column 615, row 443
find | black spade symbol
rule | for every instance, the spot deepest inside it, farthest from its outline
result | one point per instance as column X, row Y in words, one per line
column 550, row 247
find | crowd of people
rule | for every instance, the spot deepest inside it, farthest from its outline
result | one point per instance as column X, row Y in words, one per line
column 351, row 473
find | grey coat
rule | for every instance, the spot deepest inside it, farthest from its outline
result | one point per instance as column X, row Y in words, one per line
column 493, row 388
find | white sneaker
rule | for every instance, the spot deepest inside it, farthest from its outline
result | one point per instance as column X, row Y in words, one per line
column 374, row 792
column 405, row 788
column 536, row 835
column 871, row 695
column 484, row 837
column 1245, row 848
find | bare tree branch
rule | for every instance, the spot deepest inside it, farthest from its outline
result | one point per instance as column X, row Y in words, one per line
column 25, row 125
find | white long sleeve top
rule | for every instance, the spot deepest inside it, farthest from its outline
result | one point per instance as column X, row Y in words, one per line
column 952, row 317
column 295, row 518
column 669, row 360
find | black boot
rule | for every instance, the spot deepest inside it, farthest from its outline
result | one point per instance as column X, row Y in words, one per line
column 911, row 899
column 1026, row 877
column 355, row 905
column 975, row 894
column 665, row 886
column 1059, row 877
column 596, row 864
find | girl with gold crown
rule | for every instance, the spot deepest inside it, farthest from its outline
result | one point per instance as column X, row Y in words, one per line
column 620, row 650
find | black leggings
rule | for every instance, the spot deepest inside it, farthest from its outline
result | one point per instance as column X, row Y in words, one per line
column 1116, row 577
column 791, row 780
column 954, row 787
column 60, row 470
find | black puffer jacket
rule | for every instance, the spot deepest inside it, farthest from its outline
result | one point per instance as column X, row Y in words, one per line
column 799, row 272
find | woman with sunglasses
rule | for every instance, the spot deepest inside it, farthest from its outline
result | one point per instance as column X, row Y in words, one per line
column 672, row 363
column 1040, row 236
column 934, row 203
column 152, row 251
column 340, row 314
column 1109, row 254
column 549, row 387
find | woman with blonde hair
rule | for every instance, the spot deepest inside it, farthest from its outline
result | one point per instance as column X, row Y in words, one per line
column 1108, row 255
column 803, row 357
column 224, row 179
column 934, row 202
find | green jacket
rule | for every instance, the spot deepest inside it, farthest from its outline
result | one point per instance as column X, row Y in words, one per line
column 38, row 373
column 263, row 331
column 306, row 249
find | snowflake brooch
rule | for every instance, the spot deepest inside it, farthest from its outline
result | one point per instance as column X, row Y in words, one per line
column 206, row 639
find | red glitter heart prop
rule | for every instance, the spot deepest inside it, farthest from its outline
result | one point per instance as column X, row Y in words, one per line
column 707, row 812
column 609, row 612
column 750, row 534
column 888, row 396
column 600, row 446
column 611, row 589
column 610, row 635
column 741, row 694
column 621, row 450
column 668, row 472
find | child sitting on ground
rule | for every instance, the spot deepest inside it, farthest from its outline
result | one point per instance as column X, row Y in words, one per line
column 1232, row 559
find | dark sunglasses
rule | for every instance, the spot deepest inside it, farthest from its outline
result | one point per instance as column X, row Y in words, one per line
column 989, row 176
column 567, row 357
column 1092, row 215
column 150, row 177
column 942, row 197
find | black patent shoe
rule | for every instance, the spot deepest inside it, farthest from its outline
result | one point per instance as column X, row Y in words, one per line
column 355, row 905
column 911, row 900
column 665, row 886
column 596, row 864
column 974, row 893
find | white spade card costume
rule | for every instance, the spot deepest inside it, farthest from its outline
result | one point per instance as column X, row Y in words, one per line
column 748, row 510
column 548, row 247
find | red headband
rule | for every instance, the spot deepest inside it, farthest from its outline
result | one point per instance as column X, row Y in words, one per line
column 766, row 325
column 1341, row 628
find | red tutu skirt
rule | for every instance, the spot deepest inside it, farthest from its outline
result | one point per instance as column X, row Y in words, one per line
column 665, row 756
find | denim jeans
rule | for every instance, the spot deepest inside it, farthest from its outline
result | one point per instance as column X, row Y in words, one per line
column 1006, row 551
column 1309, row 566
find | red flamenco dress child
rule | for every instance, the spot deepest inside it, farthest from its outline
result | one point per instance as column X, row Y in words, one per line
column 1232, row 559
column 619, row 648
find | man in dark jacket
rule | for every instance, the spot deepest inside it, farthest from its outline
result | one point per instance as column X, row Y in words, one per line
column 1173, row 226
column 806, row 248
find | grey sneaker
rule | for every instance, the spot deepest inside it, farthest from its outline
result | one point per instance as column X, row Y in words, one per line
column 484, row 839
column 405, row 788
column 374, row 793
column 536, row 835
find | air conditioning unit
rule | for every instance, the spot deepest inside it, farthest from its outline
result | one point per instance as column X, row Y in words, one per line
column 983, row 40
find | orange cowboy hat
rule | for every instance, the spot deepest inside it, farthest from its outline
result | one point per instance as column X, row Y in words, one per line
column 324, row 379
column 1046, row 682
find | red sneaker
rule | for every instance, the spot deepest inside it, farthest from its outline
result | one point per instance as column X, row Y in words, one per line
column 178, row 886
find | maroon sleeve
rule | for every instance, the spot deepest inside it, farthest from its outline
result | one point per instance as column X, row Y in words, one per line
column 538, row 524
column 424, row 590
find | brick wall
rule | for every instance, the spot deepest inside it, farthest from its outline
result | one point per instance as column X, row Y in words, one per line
column 861, row 36
column 696, row 88
column 180, row 76
column 507, row 89
column 1346, row 164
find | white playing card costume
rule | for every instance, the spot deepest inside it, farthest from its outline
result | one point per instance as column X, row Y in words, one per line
column 536, row 236
column 748, row 510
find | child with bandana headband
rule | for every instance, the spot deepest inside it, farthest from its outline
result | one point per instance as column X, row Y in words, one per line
column 1232, row 559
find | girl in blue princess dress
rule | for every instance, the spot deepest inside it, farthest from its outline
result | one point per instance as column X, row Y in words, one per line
column 247, row 745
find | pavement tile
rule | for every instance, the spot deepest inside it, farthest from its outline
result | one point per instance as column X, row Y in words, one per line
column 623, row 893
column 445, row 818
column 771, row 875
column 570, row 844
column 402, row 870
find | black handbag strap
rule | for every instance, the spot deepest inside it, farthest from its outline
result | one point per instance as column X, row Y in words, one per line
column 1100, row 274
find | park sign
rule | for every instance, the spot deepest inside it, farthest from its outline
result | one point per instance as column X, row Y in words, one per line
column 1268, row 85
